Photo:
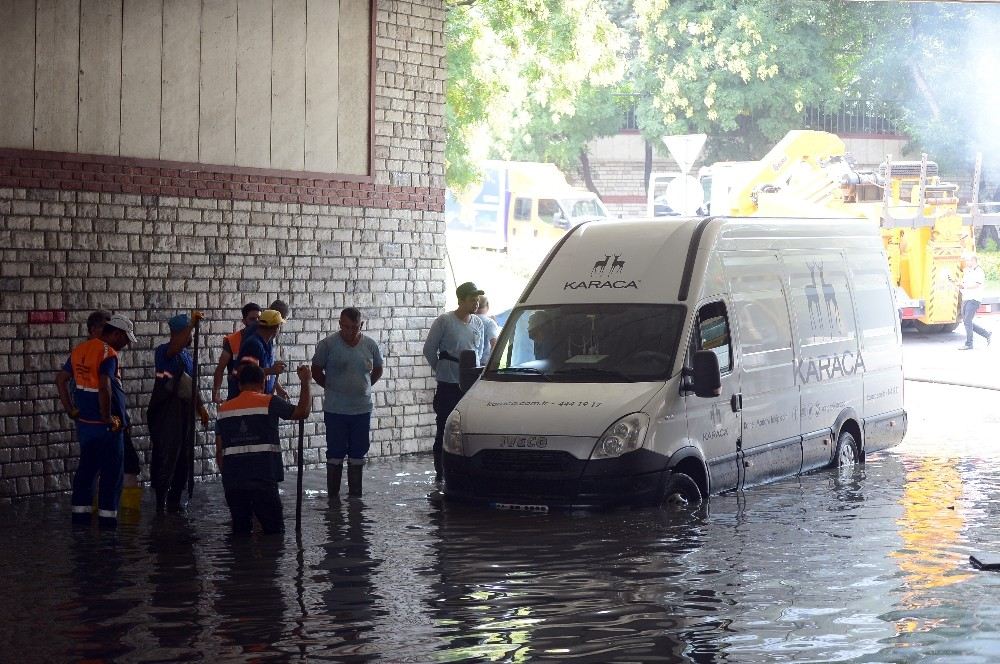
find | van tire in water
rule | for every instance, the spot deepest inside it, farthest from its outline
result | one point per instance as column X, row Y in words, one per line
column 847, row 450
column 681, row 491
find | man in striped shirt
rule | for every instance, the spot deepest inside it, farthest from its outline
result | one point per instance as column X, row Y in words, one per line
column 248, row 450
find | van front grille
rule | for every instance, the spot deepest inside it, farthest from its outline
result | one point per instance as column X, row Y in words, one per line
column 524, row 461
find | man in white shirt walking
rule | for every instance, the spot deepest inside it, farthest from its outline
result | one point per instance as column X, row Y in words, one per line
column 973, row 281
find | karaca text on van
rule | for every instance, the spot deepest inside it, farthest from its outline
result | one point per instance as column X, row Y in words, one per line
column 828, row 367
column 621, row 283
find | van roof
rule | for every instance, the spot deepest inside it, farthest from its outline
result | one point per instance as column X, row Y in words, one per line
column 646, row 260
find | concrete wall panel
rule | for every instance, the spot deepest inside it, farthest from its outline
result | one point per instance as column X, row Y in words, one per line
column 253, row 83
column 99, row 128
column 179, row 116
column 288, row 85
column 217, row 134
column 17, row 72
column 354, row 79
column 322, row 90
column 142, row 33
column 57, row 48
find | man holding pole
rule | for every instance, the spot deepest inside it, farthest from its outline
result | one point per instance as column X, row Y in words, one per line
column 248, row 450
column 171, row 414
column 258, row 348
column 230, row 350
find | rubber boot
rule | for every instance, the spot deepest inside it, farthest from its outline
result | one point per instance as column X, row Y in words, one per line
column 175, row 504
column 354, row 472
column 334, row 472
column 161, row 501
column 131, row 494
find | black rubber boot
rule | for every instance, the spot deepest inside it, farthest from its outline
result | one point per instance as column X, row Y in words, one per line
column 354, row 472
column 334, row 472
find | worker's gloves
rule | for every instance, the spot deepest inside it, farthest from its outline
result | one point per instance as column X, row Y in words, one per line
column 197, row 316
column 114, row 424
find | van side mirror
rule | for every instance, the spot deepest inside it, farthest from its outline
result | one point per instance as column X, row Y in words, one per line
column 560, row 221
column 468, row 370
column 707, row 376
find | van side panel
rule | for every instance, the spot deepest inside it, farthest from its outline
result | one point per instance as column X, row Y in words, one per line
column 770, row 437
column 878, row 329
column 825, row 333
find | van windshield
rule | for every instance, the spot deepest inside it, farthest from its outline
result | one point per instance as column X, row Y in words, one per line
column 588, row 343
column 583, row 208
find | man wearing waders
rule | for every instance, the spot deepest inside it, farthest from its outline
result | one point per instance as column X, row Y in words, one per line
column 248, row 450
column 346, row 365
column 258, row 349
column 230, row 350
column 170, row 415
column 450, row 334
column 98, row 407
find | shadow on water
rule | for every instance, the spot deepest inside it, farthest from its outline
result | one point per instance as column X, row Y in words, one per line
column 867, row 564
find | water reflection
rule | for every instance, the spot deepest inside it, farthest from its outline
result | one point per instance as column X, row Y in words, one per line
column 864, row 565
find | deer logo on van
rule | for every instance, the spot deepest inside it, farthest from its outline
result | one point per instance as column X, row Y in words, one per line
column 600, row 275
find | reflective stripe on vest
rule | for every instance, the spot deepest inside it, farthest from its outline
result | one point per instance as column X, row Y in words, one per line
column 250, row 449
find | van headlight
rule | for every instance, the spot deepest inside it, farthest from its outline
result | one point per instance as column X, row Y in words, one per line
column 453, row 433
column 625, row 435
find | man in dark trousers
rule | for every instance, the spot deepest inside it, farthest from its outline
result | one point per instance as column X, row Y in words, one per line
column 170, row 414
column 346, row 365
column 450, row 334
column 97, row 405
column 248, row 450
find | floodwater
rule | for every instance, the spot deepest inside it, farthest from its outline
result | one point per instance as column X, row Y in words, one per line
column 868, row 565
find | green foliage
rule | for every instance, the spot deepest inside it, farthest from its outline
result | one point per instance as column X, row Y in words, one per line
column 990, row 262
column 523, row 74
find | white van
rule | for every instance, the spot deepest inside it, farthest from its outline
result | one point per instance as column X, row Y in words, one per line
column 666, row 360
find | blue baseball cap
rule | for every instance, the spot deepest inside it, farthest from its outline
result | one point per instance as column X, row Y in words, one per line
column 178, row 322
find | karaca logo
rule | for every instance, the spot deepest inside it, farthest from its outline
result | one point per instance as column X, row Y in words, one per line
column 601, row 273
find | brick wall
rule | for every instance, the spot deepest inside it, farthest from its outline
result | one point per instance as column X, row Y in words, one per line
column 150, row 239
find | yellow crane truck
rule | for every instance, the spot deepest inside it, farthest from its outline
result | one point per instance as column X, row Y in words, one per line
column 809, row 173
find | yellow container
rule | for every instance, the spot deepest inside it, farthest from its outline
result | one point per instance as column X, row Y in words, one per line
column 131, row 498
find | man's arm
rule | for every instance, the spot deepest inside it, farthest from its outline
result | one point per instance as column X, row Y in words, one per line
column 62, row 385
column 304, row 406
column 104, row 399
column 220, row 372
column 376, row 374
column 432, row 343
column 178, row 342
column 319, row 375
column 218, row 451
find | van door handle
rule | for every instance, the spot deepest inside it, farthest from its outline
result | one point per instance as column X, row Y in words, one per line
column 736, row 402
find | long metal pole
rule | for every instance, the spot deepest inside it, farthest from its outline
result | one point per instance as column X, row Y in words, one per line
column 194, row 411
column 298, row 491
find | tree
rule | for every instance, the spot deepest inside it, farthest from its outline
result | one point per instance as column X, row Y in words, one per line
column 519, row 72
column 742, row 72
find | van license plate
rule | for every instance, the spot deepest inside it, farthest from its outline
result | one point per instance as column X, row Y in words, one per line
column 520, row 508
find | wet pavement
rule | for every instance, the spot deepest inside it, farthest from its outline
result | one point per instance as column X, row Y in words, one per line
column 866, row 565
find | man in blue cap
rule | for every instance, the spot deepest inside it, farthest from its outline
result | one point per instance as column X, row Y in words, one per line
column 170, row 414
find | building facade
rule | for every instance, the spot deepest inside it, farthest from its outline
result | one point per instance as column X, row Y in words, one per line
column 158, row 156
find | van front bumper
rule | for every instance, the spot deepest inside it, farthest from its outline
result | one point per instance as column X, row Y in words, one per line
column 554, row 478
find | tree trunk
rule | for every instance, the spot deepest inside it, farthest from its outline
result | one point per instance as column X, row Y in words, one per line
column 588, row 176
column 647, row 166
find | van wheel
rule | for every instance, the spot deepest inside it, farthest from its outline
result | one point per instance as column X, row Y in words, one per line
column 847, row 450
column 681, row 491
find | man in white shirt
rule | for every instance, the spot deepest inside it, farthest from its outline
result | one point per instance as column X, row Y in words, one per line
column 973, row 281
column 450, row 334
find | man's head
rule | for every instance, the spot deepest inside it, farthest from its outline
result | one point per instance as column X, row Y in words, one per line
column 468, row 297
column 350, row 325
column 251, row 312
column 280, row 307
column 96, row 322
column 484, row 306
column 180, row 327
column 118, row 332
column 969, row 259
column 251, row 378
column 268, row 323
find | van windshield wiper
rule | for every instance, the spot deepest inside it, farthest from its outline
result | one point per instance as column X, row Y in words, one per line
column 594, row 371
column 532, row 371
